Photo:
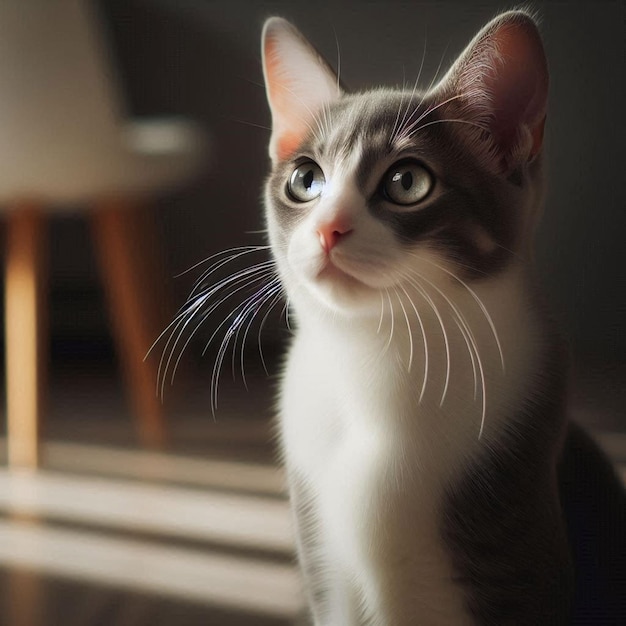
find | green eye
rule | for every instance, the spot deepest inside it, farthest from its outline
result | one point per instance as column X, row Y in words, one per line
column 406, row 183
column 306, row 182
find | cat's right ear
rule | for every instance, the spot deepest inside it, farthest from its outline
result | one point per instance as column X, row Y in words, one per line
column 299, row 84
column 499, row 85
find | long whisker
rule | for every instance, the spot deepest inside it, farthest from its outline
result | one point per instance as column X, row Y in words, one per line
column 434, row 78
column 265, row 295
column 382, row 312
column 222, row 253
column 408, row 328
column 244, row 308
column 451, row 120
column 269, row 294
column 392, row 322
column 203, row 278
column 274, row 302
column 408, row 131
column 175, row 322
column 423, row 330
column 401, row 127
column 263, row 276
column 433, row 306
column 199, row 299
column 480, row 303
column 471, row 353
column 474, row 344
column 288, row 315
column 244, row 276
column 395, row 127
column 338, row 57
column 194, row 297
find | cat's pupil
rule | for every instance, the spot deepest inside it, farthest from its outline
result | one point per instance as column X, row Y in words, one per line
column 307, row 179
column 406, row 179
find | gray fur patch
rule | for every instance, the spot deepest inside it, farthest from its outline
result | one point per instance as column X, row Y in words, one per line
column 503, row 525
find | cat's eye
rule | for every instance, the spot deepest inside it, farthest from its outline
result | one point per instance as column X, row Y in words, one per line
column 406, row 183
column 306, row 182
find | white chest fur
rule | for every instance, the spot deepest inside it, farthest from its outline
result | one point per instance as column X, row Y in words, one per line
column 377, row 455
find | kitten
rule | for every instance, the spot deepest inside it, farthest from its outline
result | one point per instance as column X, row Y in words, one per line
column 422, row 406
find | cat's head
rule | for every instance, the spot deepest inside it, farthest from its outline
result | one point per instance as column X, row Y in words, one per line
column 369, row 191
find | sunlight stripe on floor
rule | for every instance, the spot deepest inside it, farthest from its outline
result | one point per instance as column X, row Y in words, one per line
column 233, row 519
column 146, row 465
column 237, row 583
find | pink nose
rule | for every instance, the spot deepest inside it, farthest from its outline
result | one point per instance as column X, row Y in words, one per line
column 330, row 234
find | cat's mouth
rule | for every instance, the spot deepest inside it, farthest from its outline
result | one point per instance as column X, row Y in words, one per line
column 332, row 272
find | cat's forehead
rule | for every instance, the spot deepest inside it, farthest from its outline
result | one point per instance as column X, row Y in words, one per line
column 376, row 123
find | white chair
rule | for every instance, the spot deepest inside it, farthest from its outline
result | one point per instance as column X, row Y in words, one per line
column 65, row 145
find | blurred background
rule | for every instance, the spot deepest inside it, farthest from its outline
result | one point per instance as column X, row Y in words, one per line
column 117, row 508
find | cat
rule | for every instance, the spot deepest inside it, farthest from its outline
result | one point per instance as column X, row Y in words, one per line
column 432, row 471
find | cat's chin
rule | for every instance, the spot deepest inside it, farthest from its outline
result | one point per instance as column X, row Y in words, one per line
column 343, row 293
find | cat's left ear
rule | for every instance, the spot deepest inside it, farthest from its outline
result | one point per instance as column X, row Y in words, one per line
column 299, row 85
column 500, row 83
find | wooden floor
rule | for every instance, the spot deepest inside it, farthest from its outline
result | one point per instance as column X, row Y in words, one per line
column 107, row 534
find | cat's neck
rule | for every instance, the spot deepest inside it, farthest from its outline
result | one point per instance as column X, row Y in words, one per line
column 451, row 348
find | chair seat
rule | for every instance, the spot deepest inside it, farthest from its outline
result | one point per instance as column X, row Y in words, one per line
column 145, row 156
column 66, row 144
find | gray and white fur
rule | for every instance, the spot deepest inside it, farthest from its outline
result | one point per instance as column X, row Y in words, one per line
column 422, row 404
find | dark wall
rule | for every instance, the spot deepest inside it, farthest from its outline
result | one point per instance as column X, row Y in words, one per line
column 201, row 59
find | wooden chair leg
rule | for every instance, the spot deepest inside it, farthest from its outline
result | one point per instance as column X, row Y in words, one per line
column 24, row 321
column 128, row 277
column 24, row 597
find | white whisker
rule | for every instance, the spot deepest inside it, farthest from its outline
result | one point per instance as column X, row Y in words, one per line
column 471, row 353
column 274, row 302
column 392, row 322
column 452, row 120
column 472, row 345
column 423, row 330
column 267, row 293
column 405, row 119
column 202, row 279
column 221, row 253
column 382, row 311
column 244, row 308
column 195, row 300
column 480, row 303
column 408, row 328
column 237, row 307
column 408, row 131
column 427, row 91
column 433, row 306
column 288, row 315
column 338, row 58
column 250, row 275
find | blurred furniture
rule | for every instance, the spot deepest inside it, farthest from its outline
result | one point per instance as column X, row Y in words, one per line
column 65, row 146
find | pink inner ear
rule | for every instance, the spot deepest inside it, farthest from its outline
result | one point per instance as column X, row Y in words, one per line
column 518, row 84
column 288, row 133
column 287, row 145
column 299, row 84
column 273, row 71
